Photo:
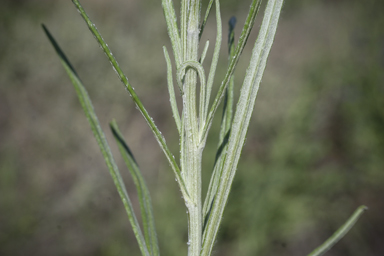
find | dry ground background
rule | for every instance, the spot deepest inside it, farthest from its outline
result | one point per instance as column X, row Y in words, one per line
column 315, row 149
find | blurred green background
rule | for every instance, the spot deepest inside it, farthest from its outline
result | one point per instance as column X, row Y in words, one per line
column 314, row 151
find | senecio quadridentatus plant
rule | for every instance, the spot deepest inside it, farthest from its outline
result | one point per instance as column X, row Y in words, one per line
column 194, row 120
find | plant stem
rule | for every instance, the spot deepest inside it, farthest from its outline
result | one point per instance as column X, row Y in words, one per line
column 191, row 141
column 193, row 125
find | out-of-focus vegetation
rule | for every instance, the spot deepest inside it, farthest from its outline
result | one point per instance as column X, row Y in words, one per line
column 315, row 148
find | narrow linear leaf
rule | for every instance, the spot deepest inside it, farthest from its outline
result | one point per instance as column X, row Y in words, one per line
column 171, row 90
column 205, row 18
column 204, row 53
column 228, row 100
column 173, row 32
column 214, row 62
column 159, row 137
column 241, row 119
column 200, row 71
column 249, row 22
column 183, row 160
column 224, row 128
column 184, row 13
column 194, row 65
column 215, row 179
column 340, row 233
column 142, row 191
column 102, row 142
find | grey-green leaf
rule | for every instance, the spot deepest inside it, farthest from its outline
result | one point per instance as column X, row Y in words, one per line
column 340, row 233
column 250, row 21
column 171, row 90
column 101, row 141
column 159, row 137
column 224, row 129
column 142, row 191
column 241, row 119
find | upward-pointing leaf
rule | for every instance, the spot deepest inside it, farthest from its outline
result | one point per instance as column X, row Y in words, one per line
column 340, row 233
column 87, row 106
column 159, row 137
column 241, row 119
column 142, row 191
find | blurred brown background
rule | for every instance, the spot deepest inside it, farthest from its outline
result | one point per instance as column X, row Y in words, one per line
column 314, row 152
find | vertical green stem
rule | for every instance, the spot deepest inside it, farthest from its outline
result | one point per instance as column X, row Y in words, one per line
column 191, row 139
